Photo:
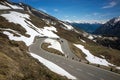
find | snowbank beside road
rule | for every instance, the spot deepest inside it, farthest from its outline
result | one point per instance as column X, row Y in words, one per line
column 53, row 67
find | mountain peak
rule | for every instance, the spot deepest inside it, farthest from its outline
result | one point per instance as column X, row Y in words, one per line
column 117, row 19
column 110, row 28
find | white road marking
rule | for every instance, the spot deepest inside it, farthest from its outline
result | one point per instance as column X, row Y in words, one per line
column 90, row 74
column 79, row 69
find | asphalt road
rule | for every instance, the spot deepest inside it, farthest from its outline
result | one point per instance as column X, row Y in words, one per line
column 66, row 49
column 80, row 70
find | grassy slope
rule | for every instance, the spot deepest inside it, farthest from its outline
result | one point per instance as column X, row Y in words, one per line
column 45, row 47
column 16, row 64
column 112, row 55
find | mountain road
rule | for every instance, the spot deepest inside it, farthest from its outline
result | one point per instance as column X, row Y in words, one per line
column 80, row 70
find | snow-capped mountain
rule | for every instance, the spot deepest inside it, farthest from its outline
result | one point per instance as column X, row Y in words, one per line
column 22, row 26
column 86, row 21
column 110, row 28
column 110, row 32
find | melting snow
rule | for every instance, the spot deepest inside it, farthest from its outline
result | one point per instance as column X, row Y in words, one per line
column 53, row 67
column 10, row 30
column 22, row 19
column 90, row 37
column 102, row 56
column 91, row 58
column 14, row 6
column 69, row 27
column 118, row 67
column 54, row 44
column 83, row 41
column 3, row 7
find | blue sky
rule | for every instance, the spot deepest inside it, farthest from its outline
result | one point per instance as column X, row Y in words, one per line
column 76, row 10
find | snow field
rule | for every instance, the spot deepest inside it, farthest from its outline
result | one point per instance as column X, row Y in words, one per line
column 32, row 30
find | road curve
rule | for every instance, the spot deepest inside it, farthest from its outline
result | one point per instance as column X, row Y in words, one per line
column 66, row 49
column 80, row 70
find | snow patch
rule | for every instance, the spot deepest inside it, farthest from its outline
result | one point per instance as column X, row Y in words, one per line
column 3, row 7
column 102, row 56
column 90, row 37
column 83, row 41
column 69, row 27
column 14, row 6
column 117, row 19
column 117, row 67
column 91, row 58
column 29, row 10
column 54, row 44
column 32, row 30
column 10, row 30
column 53, row 67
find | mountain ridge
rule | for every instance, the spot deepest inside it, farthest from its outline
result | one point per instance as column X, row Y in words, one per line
column 19, row 26
column 110, row 28
column 90, row 28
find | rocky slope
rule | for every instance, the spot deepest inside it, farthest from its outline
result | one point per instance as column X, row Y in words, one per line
column 111, row 33
column 111, row 28
column 20, row 24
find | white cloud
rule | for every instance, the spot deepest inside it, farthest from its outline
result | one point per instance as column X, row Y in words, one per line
column 66, row 16
column 74, row 16
column 91, row 14
column 56, row 10
column 110, row 5
column 95, row 14
column 87, row 21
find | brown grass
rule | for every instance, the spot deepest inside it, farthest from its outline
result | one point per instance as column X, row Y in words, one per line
column 7, row 25
column 51, row 50
column 111, row 55
column 17, row 64
column 77, row 51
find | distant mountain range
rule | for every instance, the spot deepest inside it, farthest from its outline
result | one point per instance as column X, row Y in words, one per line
column 110, row 32
column 88, row 27
column 110, row 28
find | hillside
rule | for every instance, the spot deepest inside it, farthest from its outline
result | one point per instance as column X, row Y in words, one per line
column 31, row 41
column 111, row 33
column 110, row 28
column 15, row 61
